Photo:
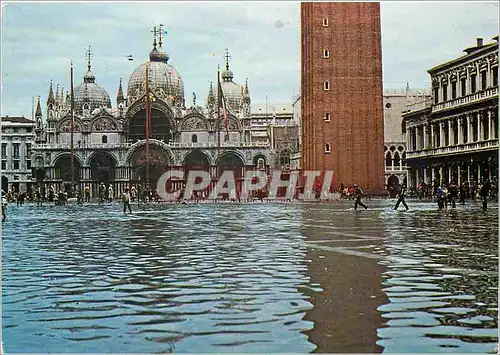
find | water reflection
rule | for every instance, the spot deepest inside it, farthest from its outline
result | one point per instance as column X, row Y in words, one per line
column 441, row 281
column 344, row 250
column 169, row 278
column 250, row 278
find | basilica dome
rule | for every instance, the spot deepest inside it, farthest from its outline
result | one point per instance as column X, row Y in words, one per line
column 233, row 92
column 164, row 80
column 90, row 94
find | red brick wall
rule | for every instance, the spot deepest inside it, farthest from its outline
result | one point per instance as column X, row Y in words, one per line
column 354, row 70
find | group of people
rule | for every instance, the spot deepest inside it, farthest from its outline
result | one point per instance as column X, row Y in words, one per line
column 444, row 193
column 448, row 193
column 466, row 190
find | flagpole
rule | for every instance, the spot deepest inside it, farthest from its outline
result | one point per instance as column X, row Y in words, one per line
column 218, row 118
column 148, row 122
column 72, row 129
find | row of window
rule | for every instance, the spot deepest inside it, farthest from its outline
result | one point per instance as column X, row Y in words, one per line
column 16, row 165
column 463, row 86
column 15, row 149
column 16, row 130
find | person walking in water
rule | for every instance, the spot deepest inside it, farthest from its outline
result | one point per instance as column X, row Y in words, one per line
column 401, row 198
column 484, row 192
column 358, row 193
column 87, row 193
column 126, row 201
column 4, row 209
column 110, row 193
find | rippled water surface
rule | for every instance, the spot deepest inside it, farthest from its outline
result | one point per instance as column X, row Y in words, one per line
column 250, row 278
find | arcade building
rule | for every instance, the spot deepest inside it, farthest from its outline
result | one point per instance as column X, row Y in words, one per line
column 110, row 145
column 453, row 136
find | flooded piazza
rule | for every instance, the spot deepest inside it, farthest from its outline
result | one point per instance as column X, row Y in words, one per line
column 261, row 277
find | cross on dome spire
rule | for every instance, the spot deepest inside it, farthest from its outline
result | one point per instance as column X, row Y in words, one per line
column 89, row 55
column 227, row 57
column 160, row 33
column 155, row 33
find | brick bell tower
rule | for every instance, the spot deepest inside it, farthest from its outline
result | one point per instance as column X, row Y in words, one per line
column 341, row 88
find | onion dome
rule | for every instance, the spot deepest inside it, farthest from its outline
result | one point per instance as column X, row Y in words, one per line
column 164, row 79
column 89, row 94
column 232, row 91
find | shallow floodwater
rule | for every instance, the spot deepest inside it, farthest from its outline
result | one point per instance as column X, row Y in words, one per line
column 250, row 278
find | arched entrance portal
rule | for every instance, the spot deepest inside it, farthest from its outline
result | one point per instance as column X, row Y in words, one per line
column 231, row 161
column 198, row 161
column 102, row 168
column 63, row 172
column 160, row 126
column 146, row 170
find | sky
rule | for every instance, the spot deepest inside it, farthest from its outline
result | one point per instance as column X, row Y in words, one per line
column 263, row 38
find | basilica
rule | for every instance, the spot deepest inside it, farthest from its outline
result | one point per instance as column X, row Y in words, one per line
column 109, row 141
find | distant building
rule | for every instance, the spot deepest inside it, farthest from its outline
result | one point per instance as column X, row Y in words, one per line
column 454, row 135
column 395, row 102
column 110, row 143
column 341, row 92
column 18, row 137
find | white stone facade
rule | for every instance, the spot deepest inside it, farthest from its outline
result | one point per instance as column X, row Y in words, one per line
column 453, row 137
column 18, row 137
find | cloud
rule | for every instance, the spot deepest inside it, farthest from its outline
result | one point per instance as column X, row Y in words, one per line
column 39, row 38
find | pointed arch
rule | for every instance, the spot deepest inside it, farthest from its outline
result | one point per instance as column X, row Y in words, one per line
column 388, row 159
column 396, row 159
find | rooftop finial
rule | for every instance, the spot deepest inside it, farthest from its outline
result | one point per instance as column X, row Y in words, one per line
column 227, row 57
column 38, row 112
column 160, row 33
column 89, row 55
column 51, row 99
column 154, row 31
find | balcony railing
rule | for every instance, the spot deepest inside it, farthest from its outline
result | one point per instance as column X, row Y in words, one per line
column 454, row 149
column 478, row 96
column 56, row 146
column 396, row 168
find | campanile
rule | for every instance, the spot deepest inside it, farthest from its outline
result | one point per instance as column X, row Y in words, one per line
column 341, row 92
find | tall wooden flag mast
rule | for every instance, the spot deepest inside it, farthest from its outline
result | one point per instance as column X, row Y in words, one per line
column 73, row 125
column 148, row 121
column 219, row 89
column 148, row 111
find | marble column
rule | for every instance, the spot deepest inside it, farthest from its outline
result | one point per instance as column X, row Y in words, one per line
column 470, row 129
column 425, row 174
column 441, row 134
column 468, row 172
column 490, row 125
column 450, row 173
column 432, row 143
column 459, row 178
column 417, row 137
column 479, row 118
column 450, row 132
column 433, row 174
column 424, row 136
column 460, row 130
